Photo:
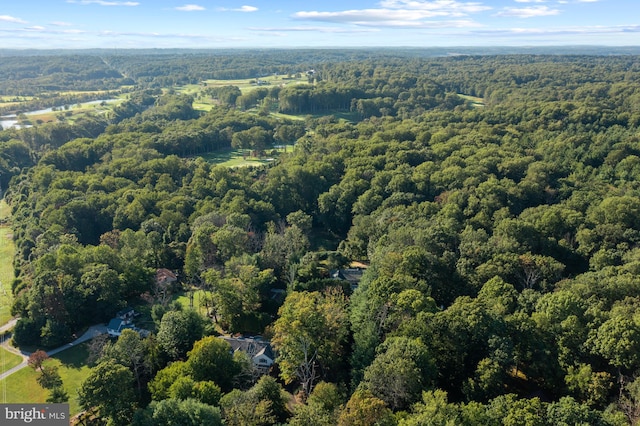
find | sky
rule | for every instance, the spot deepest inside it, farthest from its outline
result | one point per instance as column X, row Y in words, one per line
column 123, row 24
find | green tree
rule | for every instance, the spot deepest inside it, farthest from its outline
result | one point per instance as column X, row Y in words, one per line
column 364, row 409
column 311, row 332
column 322, row 408
column 49, row 377
column 617, row 340
column 108, row 389
column 188, row 412
column 400, row 371
column 244, row 408
column 160, row 385
column 434, row 409
column 211, row 359
column 58, row 395
column 178, row 331
column 130, row 350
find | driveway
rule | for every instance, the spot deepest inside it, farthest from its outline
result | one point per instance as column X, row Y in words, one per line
column 92, row 332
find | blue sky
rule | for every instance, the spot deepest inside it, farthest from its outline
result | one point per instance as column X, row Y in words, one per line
column 329, row 23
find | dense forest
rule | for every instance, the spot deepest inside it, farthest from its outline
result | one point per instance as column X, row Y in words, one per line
column 494, row 200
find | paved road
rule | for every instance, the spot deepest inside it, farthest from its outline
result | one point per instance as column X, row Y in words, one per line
column 92, row 332
column 9, row 325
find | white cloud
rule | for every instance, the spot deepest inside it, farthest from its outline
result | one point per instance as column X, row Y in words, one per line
column 61, row 24
column 190, row 8
column 398, row 13
column 367, row 15
column 527, row 12
column 530, row 1
column 588, row 1
column 451, row 7
column 13, row 19
column 240, row 9
column 332, row 30
column 561, row 31
column 105, row 3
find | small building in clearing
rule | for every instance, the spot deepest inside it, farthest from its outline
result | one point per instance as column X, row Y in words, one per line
column 258, row 350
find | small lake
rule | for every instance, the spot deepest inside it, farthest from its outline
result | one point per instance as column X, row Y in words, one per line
column 8, row 121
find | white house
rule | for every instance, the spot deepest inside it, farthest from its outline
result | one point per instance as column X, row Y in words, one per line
column 259, row 351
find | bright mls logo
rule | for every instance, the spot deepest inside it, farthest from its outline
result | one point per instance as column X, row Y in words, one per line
column 37, row 414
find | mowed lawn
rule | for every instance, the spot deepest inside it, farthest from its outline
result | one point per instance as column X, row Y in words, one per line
column 235, row 158
column 248, row 84
column 22, row 386
column 8, row 360
column 205, row 103
column 7, row 250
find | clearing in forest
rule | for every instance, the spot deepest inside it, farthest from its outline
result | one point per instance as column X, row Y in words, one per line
column 476, row 102
column 242, row 158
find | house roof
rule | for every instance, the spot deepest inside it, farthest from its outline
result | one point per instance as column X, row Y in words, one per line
column 250, row 346
column 352, row 275
column 165, row 276
column 115, row 324
column 124, row 312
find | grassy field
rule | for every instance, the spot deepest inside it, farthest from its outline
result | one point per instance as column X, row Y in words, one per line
column 6, row 101
column 475, row 101
column 23, row 387
column 248, row 84
column 203, row 103
column 16, row 98
column 198, row 295
column 75, row 111
column 7, row 249
column 233, row 158
column 237, row 158
column 8, row 360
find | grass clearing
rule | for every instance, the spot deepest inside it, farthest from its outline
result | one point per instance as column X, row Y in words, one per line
column 476, row 102
column 198, row 297
column 7, row 251
column 248, row 84
column 242, row 158
column 22, row 386
column 8, row 360
column 74, row 111
column 289, row 116
column 11, row 98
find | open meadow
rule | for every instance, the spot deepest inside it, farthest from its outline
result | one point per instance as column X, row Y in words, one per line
column 242, row 158
column 248, row 84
